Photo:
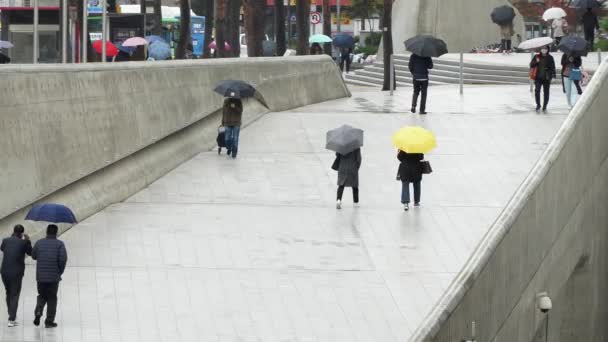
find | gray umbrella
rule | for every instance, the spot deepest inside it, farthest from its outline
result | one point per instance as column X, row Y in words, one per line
column 344, row 139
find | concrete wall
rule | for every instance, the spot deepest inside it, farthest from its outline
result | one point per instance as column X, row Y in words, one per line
column 462, row 24
column 552, row 236
column 90, row 135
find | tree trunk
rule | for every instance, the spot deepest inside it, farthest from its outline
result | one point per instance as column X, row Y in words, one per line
column 279, row 26
column 158, row 21
column 327, row 25
column 208, row 13
column 387, row 43
column 184, row 29
column 232, row 32
column 254, row 27
column 302, row 26
column 220, row 27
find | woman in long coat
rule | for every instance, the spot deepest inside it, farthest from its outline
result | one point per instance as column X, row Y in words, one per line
column 410, row 171
column 348, row 175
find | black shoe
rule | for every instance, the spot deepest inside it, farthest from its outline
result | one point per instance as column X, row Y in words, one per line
column 219, row 150
column 544, row 109
column 37, row 320
column 50, row 325
column 413, row 110
column 538, row 109
column 228, row 152
column 422, row 112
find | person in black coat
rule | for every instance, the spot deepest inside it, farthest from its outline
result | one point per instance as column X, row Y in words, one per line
column 14, row 249
column 419, row 67
column 545, row 65
column 345, row 58
column 410, row 171
column 590, row 24
column 51, row 257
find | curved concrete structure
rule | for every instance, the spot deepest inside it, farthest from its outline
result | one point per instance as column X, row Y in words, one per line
column 463, row 24
column 552, row 237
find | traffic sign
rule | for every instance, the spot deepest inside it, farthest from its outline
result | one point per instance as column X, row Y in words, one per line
column 315, row 17
column 293, row 19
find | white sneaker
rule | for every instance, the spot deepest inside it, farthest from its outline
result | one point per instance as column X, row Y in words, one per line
column 338, row 204
column 12, row 324
column 406, row 207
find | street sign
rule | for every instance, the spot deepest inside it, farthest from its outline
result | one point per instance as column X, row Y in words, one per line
column 293, row 19
column 313, row 8
column 315, row 18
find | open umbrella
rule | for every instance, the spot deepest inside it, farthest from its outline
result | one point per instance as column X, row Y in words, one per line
column 586, row 4
column 554, row 13
column 574, row 45
column 153, row 39
column 111, row 49
column 426, row 46
column 159, row 50
column 234, row 88
column 319, row 38
column 535, row 43
column 213, row 45
column 5, row 45
column 127, row 49
column 50, row 212
column 414, row 139
column 503, row 15
column 343, row 40
column 135, row 41
column 344, row 139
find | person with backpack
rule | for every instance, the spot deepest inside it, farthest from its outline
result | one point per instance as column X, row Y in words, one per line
column 542, row 72
column 572, row 73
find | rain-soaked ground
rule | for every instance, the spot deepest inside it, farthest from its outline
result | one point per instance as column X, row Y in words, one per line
column 253, row 249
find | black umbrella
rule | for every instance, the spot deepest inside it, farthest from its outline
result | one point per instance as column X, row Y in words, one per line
column 574, row 45
column 343, row 40
column 426, row 46
column 503, row 15
column 235, row 89
column 586, row 4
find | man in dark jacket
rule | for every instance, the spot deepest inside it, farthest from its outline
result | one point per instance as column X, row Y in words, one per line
column 419, row 67
column 51, row 258
column 232, row 114
column 14, row 248
column 590, row 24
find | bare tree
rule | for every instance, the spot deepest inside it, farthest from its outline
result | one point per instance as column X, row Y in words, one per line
column 387, row 41
column 254, row 27
column 184, row 29
column 205, row 8
column 232, row 26
column 279, row 26
column 327, row 25
column 220, row 27
column 302, row 26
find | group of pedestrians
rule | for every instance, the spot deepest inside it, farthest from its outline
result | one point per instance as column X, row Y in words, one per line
column 51, row 258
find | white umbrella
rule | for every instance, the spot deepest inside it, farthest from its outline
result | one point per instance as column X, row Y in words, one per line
column 135, row 41
column 554, row 13
column 5, row 45
column 535, row 43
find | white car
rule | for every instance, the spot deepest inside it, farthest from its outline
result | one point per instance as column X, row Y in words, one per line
column 243, row 41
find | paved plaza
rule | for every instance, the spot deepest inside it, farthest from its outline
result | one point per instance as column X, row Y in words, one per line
column 253, row 249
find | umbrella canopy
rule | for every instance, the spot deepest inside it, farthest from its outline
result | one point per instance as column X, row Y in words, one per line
column 50, row 212
column 5, row 45
column 535, row 43
column 344, row 139
column 235, row 89
column 159, row 50
column 227, row 46
column 127, row 49
column 111, row 49
column 414, row 139
column 426, row 46
column 343, row 40
column 319, row 38
column 135, row 41
column 153, row 39
column 574, row 45
column 554, row 13
column 586, row 4
column 503, row 15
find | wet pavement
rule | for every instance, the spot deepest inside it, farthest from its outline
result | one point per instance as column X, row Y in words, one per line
column 253, row 249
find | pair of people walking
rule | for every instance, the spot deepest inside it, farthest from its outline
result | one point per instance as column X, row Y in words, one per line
column 51, row 256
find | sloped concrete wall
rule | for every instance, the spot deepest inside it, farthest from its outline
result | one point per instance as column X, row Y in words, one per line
column 552, row 236
column 63, row 123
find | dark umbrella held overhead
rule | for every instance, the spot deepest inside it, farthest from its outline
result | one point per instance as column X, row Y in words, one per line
column 503, row 15
column 343, row 40
column 426, row 46
column 344, row 139
column 587, row 4
column 574, row 45
column 50, row 212
column 235, row 89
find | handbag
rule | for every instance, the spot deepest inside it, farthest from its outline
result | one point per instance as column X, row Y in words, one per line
column 426, row 167
column 532, row 73
column 576, row 74
column 336, row 164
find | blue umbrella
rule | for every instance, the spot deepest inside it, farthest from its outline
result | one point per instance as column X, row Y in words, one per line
column 152, row 39
column 159, row 50
column 344, row 41
column 49, row 212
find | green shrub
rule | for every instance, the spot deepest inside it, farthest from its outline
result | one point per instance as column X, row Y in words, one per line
column 602, row 44
column 367, row 50
column 373, row 39
column 604, row 24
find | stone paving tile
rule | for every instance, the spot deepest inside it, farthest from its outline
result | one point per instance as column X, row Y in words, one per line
column 253, row 249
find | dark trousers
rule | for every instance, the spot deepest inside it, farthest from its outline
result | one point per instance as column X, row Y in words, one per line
column 546, row 86
column 590, row 37
column 420, row 86
column 355, row 193
column 506, row 44
column 345, row 60
column 12, row 285
column 47, row 295
column 405, row 192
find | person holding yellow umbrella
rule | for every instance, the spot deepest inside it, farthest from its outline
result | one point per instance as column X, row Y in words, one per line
column 412, row 143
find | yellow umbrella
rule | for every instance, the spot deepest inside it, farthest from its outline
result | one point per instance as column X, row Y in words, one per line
column 414, row 139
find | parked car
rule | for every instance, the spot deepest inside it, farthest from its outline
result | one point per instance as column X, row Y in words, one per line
column 243, row 41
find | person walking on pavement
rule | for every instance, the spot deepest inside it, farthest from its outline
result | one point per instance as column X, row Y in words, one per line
column 410, row 171
column 590, row 24
column 419, row 67
column 572, row 73
column 559, row 26
column 14, row 249
column 51, row 257
column 231, row 120
column 345, row 58
column 506, row 32
column 545, row 72
column 348, row 175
